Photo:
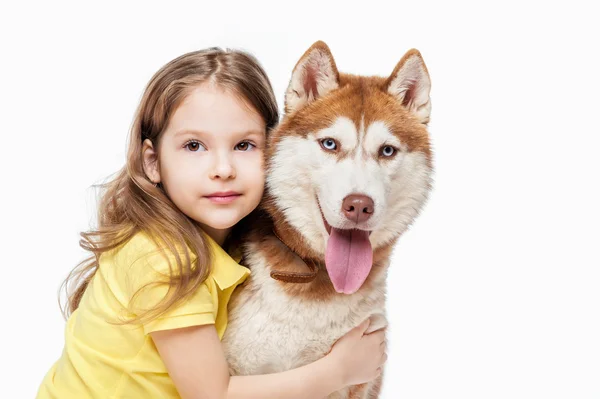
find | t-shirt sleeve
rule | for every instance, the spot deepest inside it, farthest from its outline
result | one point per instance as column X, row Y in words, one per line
column 148, row 286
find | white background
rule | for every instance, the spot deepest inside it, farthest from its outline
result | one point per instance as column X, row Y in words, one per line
column 495, row 290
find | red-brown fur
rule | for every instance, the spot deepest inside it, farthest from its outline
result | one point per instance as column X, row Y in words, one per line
column 362, row 100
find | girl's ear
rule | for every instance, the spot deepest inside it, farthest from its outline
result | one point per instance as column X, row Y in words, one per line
column 150, row 161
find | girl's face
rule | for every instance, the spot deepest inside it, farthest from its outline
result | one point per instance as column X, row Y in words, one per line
column 210, row 159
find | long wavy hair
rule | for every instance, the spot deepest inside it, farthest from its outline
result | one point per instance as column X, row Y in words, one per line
column 130, row 202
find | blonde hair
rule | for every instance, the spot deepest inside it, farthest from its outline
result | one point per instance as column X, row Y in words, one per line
column 132, row 203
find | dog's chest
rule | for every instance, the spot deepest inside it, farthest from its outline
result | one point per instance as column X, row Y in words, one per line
column 270, row 331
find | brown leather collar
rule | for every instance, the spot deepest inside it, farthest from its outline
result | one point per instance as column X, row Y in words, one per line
column 296, row 278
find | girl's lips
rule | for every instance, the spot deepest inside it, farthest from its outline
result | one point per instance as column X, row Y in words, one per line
column 223, row 199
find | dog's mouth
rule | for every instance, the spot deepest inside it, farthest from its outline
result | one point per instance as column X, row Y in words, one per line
column 328, row 226
column 348, row 257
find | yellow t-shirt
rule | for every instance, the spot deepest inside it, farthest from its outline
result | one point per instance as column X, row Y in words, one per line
column 104, row 360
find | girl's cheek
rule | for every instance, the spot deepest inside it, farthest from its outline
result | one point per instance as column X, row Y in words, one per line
column 252, row 160
column 198, row 165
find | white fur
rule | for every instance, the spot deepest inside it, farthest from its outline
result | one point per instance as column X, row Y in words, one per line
column 379, row 135
column 302, row 172
column 270, row 331
column 343, row 130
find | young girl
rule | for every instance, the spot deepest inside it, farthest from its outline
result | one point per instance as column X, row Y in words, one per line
column 150, row 305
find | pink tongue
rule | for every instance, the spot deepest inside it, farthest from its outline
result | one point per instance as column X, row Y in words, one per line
column 348, row 259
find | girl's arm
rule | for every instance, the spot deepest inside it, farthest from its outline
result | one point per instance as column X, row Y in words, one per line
column 195, row 361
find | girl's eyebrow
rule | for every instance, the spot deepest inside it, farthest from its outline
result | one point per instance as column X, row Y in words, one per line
column 202, row 133
column 189, row 131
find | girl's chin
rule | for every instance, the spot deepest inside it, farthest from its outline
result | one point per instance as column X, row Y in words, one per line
column 219, row 223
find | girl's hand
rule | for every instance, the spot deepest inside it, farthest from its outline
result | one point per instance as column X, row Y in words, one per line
column 359, row 356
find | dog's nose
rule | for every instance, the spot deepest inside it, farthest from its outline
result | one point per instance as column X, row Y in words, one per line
column 358, row 208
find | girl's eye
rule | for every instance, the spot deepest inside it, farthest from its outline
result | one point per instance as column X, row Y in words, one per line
column 329, row 144
column 387, row 151
column 194, row 145
column 244, row 146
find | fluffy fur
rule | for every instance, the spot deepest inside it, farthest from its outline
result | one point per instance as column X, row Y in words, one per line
column 280, row 324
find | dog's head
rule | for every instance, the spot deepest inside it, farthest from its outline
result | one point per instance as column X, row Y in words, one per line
column 349, row 167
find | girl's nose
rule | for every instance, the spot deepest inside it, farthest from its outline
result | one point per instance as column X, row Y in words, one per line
column 223, row 168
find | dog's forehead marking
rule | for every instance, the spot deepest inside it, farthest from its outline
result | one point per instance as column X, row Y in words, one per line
column 344, row 130
column 377, row 134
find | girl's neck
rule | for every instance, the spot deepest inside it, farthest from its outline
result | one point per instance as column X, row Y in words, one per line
column 218, row 235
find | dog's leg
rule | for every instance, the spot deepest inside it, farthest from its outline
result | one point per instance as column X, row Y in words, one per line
column 374, row 388
column 341, row 394
column 370, row 390
column 358, row 391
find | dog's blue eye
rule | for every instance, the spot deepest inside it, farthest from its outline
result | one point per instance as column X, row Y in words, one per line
column 388, row 151
column 329, row 144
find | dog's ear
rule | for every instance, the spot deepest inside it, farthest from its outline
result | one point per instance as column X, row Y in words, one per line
column 410, row 84
column 314, row 75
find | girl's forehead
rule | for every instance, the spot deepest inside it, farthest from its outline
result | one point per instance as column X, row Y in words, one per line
column 213, row 110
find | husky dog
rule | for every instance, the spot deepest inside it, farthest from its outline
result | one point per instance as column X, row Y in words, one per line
column 348, row 170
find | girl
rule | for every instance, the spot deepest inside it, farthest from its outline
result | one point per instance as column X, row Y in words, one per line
column 150, row 305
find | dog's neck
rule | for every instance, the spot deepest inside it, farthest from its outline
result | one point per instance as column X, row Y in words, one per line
column 291, row 277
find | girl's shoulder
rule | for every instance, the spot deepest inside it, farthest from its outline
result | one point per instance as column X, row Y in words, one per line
column 142, row 258
column 142, row 250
